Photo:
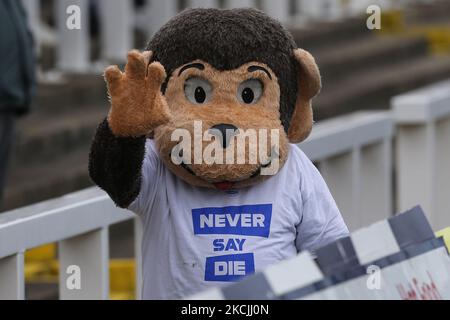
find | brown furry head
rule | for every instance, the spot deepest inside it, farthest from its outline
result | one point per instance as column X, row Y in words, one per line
column 238, row 70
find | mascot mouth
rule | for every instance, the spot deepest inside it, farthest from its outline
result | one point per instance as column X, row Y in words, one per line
column 226, row 184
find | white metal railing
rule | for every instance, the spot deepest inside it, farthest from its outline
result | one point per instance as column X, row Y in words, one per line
column 119, row 17
column 79, row 223
column 353, row 154
column 423, row 151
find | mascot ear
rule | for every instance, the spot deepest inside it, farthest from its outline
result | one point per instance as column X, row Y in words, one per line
column 309, row 84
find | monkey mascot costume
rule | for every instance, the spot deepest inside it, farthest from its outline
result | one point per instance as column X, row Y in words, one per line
column 225, row 79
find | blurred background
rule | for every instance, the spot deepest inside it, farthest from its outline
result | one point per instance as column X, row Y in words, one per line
column 361, row 69
column 52, row 94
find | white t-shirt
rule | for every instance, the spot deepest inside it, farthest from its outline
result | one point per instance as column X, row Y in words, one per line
column 196, row 238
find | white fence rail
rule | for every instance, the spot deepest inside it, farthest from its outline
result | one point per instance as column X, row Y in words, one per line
column 79, row 223
column 423, row 151
column 354, row 156
column 353, row 153
column 119, row 17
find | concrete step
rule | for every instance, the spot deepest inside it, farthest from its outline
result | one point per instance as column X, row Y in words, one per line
column 81, row 90
column 373, row 88
column 28, row 184
column 330, row 34
column 433, row 12
column 335, row 63
column 42, row 137
column 72, row 92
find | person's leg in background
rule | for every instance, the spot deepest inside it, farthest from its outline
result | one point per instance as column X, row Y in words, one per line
column 7, row 124
column 18, row 77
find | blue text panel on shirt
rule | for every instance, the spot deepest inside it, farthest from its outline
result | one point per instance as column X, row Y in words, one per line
column 229, row 267
column 247, row 220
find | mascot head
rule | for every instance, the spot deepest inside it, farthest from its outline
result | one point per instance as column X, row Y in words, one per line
column 238, row 90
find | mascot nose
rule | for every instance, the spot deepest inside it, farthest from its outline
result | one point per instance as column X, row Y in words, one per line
column 225, row 132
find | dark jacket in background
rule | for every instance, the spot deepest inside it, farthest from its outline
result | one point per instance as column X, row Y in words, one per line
column 17, row 59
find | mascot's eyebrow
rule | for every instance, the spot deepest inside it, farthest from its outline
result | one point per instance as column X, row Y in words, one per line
column 192, row 65
column 259, row 68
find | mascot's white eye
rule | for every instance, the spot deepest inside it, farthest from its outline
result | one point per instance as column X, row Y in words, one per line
column 197, row 90
column 250, row 91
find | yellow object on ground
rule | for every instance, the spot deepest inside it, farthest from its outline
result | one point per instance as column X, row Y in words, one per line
column 42, row 272
column 446, row 235
column 122, row 275
column 438, row 37
column 393, row 21
column 44, row 253
column 41, row 266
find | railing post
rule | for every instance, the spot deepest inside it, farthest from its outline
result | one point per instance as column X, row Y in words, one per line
column 138, row 232
column 342, row 175
column 423, row 151
column 443, row 174
column 73, row 43
column 159, row 12
column 84, row 259
column 277, row 9
column 12, row 279
column 240, row 4
column 417, row 171
column 116, row 28
column 376, row 182
column 355, row 158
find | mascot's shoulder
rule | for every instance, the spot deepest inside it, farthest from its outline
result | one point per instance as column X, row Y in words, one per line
column 150, row 148
column 298, row 159
column 297, row 154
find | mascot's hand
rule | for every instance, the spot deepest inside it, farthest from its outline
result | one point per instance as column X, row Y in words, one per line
column 137, row 104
